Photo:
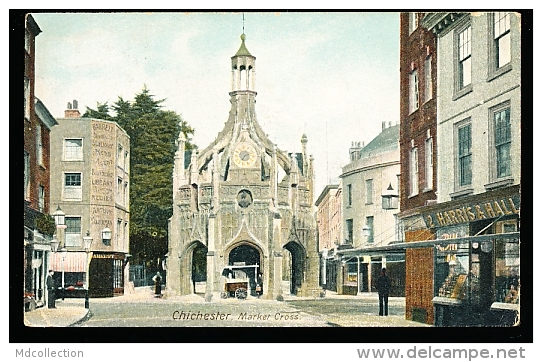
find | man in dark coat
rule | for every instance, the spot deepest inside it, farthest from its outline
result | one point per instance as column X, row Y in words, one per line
column 383, row 285
column 50, row 284
column 157, row 279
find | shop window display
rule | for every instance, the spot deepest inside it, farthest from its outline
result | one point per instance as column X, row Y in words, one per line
column 507, row 280
column 458, row 271
column 477, row 282
column 452, row 277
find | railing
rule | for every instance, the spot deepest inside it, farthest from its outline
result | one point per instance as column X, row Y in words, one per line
column 137, row 275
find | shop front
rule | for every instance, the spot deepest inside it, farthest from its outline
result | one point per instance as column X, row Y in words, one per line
column 70, row 269
column 37, row 250
column 106, row 275
column 360, row 268
column 477, row 260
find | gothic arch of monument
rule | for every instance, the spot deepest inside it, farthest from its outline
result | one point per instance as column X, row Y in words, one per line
column 243, row 190
column 186, row 265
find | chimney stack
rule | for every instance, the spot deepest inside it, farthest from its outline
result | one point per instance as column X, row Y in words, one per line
column 72, row 111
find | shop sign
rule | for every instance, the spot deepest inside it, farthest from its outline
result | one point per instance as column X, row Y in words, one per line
column 473, row 212
column 102, row 256
column 453, row 232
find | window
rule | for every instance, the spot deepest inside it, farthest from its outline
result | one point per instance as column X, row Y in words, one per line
column 119, row 235
column 413, row 91
column 429, row 163
column 73, row 230
column 465, row 155
column 428, row 79
column 125, row 234
column 72, row 186
column 120, row 193
column 26, row 175
column 41, row 198
column 349, row 195
column 503, row 140
column 412, row 22
column 73, row 149
column 464, row 44
column 126, row 196
column 369, row 191
column 501, row 35
column 120, row 154
column 118, row 274
column 39, row 146
column 26, row 98
column 369, row 222
column 349, row 231
column 507, row 264
column 414, row 171
column 126, row 161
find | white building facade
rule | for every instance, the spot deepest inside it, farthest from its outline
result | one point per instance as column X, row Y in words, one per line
column 476, row 272
column 369, row 212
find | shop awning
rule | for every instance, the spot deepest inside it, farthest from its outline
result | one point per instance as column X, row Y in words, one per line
column 401, row 247
column 74, row 262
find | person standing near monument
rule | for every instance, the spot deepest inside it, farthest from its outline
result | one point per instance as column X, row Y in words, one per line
column 157, row 279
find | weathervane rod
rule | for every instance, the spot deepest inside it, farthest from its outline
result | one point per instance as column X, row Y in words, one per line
column 243, row 23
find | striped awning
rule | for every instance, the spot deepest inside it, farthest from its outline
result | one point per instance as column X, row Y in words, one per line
column 74, row 262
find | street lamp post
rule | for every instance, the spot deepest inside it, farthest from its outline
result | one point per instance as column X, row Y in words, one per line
column 60, row 221
column 87, row 242
column 60, row 218
column 54, row 248
column 63, row 253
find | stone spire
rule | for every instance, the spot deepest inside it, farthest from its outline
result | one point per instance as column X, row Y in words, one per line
column 243, row 51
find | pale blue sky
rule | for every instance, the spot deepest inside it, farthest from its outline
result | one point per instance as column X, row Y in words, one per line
column 314, row 71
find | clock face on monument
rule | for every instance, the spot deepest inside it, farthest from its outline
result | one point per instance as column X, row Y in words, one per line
column 244, row 155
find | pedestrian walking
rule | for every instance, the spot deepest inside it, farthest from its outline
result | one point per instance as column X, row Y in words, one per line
column 50, row 284
column 383, row 285
column 157, row 279
column 259, row 285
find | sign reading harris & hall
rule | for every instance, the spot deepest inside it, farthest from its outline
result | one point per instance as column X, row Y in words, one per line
column 470, row 212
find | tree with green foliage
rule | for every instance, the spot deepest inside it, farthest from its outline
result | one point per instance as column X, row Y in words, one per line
column 101, row 112
column 153, row 132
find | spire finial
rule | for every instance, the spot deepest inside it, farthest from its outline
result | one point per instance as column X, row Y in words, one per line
column 243, row 23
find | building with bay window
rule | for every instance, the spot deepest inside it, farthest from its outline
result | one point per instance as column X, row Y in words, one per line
column 90, row 178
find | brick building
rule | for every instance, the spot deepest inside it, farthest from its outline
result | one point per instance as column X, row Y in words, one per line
column 37, row 126
column 418, row 145
column 329, row 219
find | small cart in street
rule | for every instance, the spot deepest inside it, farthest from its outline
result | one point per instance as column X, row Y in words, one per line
column 237, row 281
